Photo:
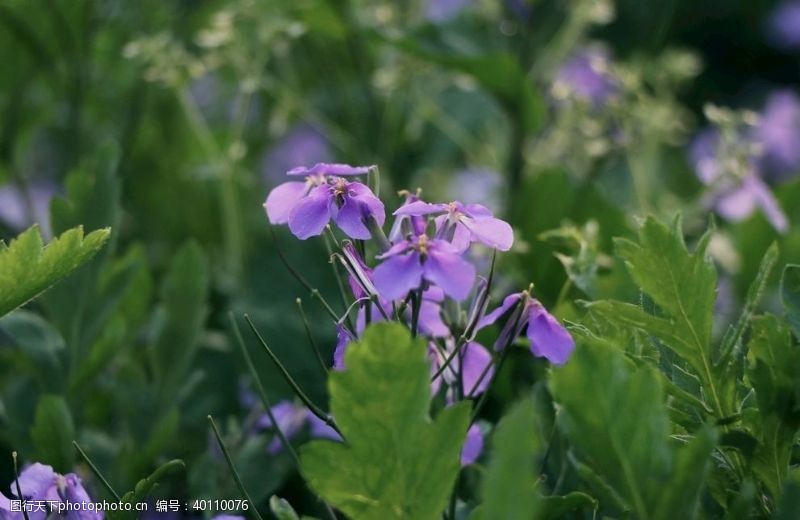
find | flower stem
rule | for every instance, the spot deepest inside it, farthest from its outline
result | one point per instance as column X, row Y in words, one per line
column 313, row 408
column 235, row 473
column 96, row 472
column 310, row 337
column 16, row 483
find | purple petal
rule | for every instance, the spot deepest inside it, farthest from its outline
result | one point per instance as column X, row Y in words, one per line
column 462, row 237
column 778, row 131
column 473, row 446
column 358, row 205
column 549, row 339
column 737, row 204
column 419, row 208
column 448, row 270
column 396, row 249
column 37, row 482
column 766, row 201
column 282, row 199
column 703, row 155
column 436, row 360
column 311, row 214
column 476, row 362
column 430, row 320
column 476, row 210
column 74, row 493
column 320, row 430
column 343, row 340
column 397, row 275
column 491, row 231
column 783, row 25
column 508, row 302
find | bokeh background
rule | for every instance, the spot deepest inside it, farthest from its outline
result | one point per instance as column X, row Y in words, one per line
column 170, row 120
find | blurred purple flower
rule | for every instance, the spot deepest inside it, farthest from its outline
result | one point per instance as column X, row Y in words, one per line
column 39, row 482
column 409, row 262
column 783, row 25
column 586, row 74
column 479, row 186
column 302, row 145
column 291, row 419
column 473, row 445
column 467, row 222
column 734, row 199
column 440, row 11
column 20, row 208
column 778, row 132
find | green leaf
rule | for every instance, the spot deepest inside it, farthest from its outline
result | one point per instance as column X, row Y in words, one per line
column 773, row 366
column 396, row 463
column 789, row 503
column 790, row 294
column 554, row 507
column 282, row 509
column 40, row 345
column 624, row 435
column 28, row 268
column 52, row 433
column 509, row 486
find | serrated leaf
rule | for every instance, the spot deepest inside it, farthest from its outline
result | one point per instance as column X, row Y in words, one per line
column 52, row 433
column 623, row 434
column 28, row 268
column 509, row 485
column 395, row 463
column 790, row 294
column 773, row 366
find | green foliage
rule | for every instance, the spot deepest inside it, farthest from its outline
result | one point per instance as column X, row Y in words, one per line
column 143, row 488
column 509, row 485
column 28, row 267
column 53, row 432
column 624, row 435
column 395, row 462
column 790, row 294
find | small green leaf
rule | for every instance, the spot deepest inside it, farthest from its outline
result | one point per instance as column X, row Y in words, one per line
column 396, row 463
column 27, row 268
column 282, row 509
column 509, row 486
column 52, row 433
column 790, row 294
column 143, row 487
column 554, row 507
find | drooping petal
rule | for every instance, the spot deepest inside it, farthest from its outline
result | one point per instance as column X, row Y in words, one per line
column 343, row 340
column 430, row 320
column 476, row 368
column 358, row 205
column 37, row 482
column 490, row 231
column 397, row 275
column 767, row 202
column 462, row 237
column 282, row 200
column 311, row 214
column 473, row 445
column 549, row 339
column 508, row 302
column 419, row 208
column 445, row 268
column 290, row 419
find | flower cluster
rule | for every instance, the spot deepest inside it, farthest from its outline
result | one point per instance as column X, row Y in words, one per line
column 42, row 491
column 424, row 273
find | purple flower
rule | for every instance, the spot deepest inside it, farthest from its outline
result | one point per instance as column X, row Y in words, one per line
column 21, row 208
column 439, row 11
column 467, row 223
column 406, row 225
column 778, row 132
column 291, row 419
column 303, row 144
column 586, row 75
column 473, row 446
column 410, row 262
column 39, row 482
column 474, row 185
column 783, row 25
column 343, row 340
column 735, row 199
column 549, row 339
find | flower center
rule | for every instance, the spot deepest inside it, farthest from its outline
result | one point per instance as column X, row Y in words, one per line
column 422, row 245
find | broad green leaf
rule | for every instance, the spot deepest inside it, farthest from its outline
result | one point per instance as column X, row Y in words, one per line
column 790, row 294
column 53, row 432
column 623, row 436
column 395, row 463
column 773, row 368
column 28, row 267
column 509, row 485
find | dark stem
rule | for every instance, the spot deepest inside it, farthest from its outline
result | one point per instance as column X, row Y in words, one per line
column 16, row 483
column 311, row 341
column 416, row 305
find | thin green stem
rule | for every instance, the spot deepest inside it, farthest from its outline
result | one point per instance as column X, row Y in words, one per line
column 96, row 471
column 310, row 336
column 16, row 483
column 292, row 383
column 232, row 467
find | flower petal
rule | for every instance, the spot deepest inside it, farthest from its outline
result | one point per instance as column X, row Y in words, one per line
column 282, row 199
column 508, row 302
column 320, row 430
column 476, row 362
column 473, row 445
column 491, row 231
column 448, row 270
column 37, row 482
column 311, row 214
column 358, row 205
column 549, row 339
column 767, row 202
column 430, row 320
column 343, row 340
column 419, row 208
column 397, row 275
